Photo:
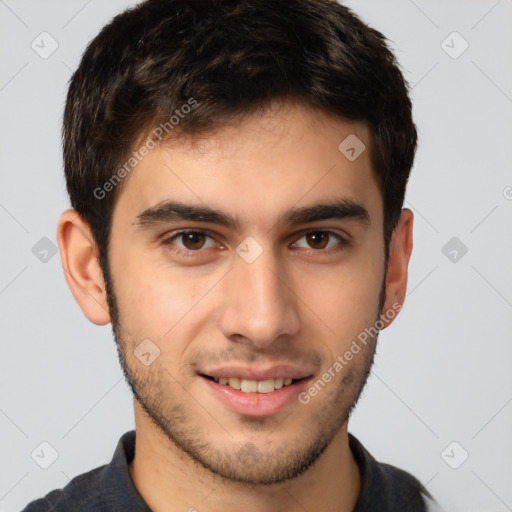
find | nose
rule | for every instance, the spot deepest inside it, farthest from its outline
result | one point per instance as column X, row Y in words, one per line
column 259, row 304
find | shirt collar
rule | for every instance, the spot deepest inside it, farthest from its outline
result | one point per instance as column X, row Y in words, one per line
column 118, row 482
column 124, row 495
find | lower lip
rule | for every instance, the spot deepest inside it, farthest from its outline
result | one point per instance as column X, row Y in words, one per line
column 257, row 404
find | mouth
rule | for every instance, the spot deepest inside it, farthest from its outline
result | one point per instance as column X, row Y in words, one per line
column 257, row 397
column 253, row 386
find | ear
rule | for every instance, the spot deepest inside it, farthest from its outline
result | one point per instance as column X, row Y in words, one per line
column 400, row 249
column 78, row 253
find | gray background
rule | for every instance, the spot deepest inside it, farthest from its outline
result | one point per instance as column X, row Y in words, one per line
column 442, row 373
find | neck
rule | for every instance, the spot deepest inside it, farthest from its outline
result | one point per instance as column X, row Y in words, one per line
column 170, row 481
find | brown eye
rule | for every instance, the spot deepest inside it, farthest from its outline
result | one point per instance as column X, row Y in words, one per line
column 317, row 239
column 322, row 241
column 192, row 241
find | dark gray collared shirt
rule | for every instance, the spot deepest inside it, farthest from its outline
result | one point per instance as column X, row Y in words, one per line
column 109, row 488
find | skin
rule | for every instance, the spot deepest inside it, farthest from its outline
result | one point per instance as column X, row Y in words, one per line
column 296, row 303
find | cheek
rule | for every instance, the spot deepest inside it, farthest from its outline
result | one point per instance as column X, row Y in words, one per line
column 345, row 297
column 156, row 301
column 347, row 300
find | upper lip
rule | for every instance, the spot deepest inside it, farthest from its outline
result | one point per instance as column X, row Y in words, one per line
column 282, row 371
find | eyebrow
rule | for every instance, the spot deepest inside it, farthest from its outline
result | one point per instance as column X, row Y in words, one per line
column 174, row 211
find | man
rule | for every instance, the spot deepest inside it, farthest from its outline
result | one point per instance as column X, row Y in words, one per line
column 237, row 171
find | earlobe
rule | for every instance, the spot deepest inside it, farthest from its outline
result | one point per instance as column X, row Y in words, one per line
column 78, row 252
column 400, row 249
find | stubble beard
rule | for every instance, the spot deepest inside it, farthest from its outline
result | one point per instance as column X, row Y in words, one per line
column 242, row 462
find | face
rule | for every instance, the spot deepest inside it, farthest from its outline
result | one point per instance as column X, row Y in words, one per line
column 229, row 261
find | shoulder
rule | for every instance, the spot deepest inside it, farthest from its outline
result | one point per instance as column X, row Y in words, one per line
column 82, row 492
column 387, row 488
column 401, row 489
column 105, row 488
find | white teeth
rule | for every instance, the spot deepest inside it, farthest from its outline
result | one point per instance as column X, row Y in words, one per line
column 249, row 386
column 234, row 382
column 253, row 386
column 266, row 386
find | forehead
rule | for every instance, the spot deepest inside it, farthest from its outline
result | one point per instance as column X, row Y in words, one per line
column 259, row 166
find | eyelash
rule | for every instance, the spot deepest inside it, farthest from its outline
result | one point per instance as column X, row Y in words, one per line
column 190, row 253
